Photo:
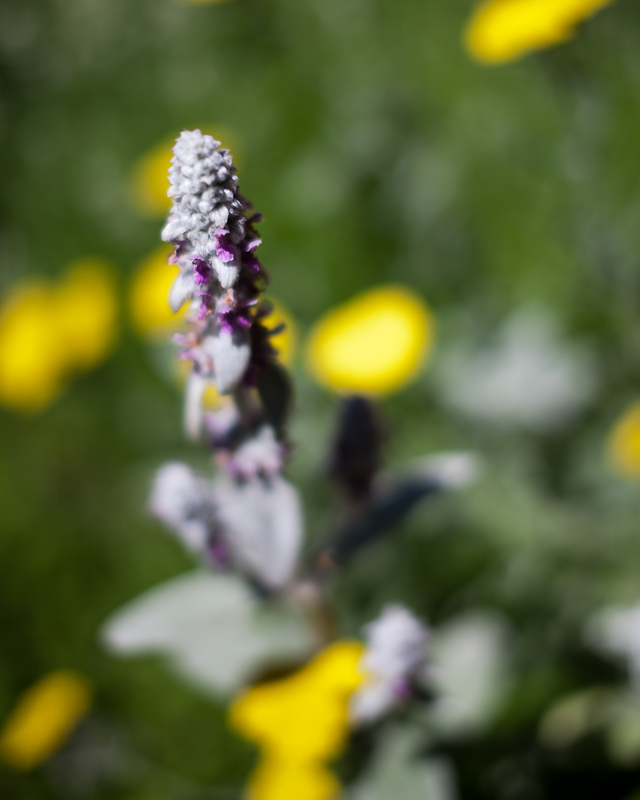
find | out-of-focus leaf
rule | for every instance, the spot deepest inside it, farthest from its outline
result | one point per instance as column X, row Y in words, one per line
column 276, row 394
column 531, row 377
column 470, row 672
column 210, row 628
column 397, row 771
column 263, row 526
column 616, row 630
column 397, row 498
column 355, row 456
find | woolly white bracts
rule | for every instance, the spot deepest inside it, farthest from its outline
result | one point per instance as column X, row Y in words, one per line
column 207, row 217
column 395, row 657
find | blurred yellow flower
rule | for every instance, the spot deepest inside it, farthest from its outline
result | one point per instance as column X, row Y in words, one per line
column 286, row 341
column 624, row 443
column 85, row 307
column 43, row 719
column 504, row 30
column 300, row 723
column 375, row 343
column 149, row 294
column 48, row 332
column 149, row 180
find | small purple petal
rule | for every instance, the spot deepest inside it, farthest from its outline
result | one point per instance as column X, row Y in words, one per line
column 201, row 272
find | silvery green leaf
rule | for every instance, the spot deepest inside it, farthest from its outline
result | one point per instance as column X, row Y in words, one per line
column 616, row 630
column 262, row 524
column 470, row 672
column 230, row 353
column 453, row 470
column 210, row 628
column 397, row 772
column 531, row 376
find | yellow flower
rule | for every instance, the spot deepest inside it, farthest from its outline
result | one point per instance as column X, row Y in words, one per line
column 503, row 30
column 286, row 341
column 300, row 723
column 375, row 343
column 624, row 443
column 149, row 294
column 149, row 179
column 85, row 308
column 43, row 719
column 48, row 332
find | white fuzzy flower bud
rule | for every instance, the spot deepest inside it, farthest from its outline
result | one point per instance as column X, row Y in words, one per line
column 395, row 654
column 207, row 204
column 185, row 503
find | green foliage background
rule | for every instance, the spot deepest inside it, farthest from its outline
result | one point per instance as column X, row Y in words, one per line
column 378, row 152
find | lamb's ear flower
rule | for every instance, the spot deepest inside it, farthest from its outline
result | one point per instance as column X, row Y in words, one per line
column 394, row 658
column 43, row 719
column 262, row 524
column 48, row 332
column 375, row 343
column 300, row 723
column 149, row 290
column 624, row 443
column 148, row 183
column 504, row 30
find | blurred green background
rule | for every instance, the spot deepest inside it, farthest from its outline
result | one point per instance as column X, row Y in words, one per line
column 378, row 152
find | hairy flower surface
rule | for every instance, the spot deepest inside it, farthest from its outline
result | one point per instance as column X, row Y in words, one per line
column 375, row 343
column 48, row 332
column 43, row 719
column 394, row 657
column 300, row 723
column 503, row 30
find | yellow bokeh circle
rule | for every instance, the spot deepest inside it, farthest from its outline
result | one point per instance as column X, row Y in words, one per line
column 375, row 343
column 286, row 341
column 50, row 331
column 43, row 718
column 623, row 447
column 503, row 30
column 149, row 307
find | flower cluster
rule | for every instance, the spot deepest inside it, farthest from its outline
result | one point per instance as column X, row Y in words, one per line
column 249, row 517
column 215, row 245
